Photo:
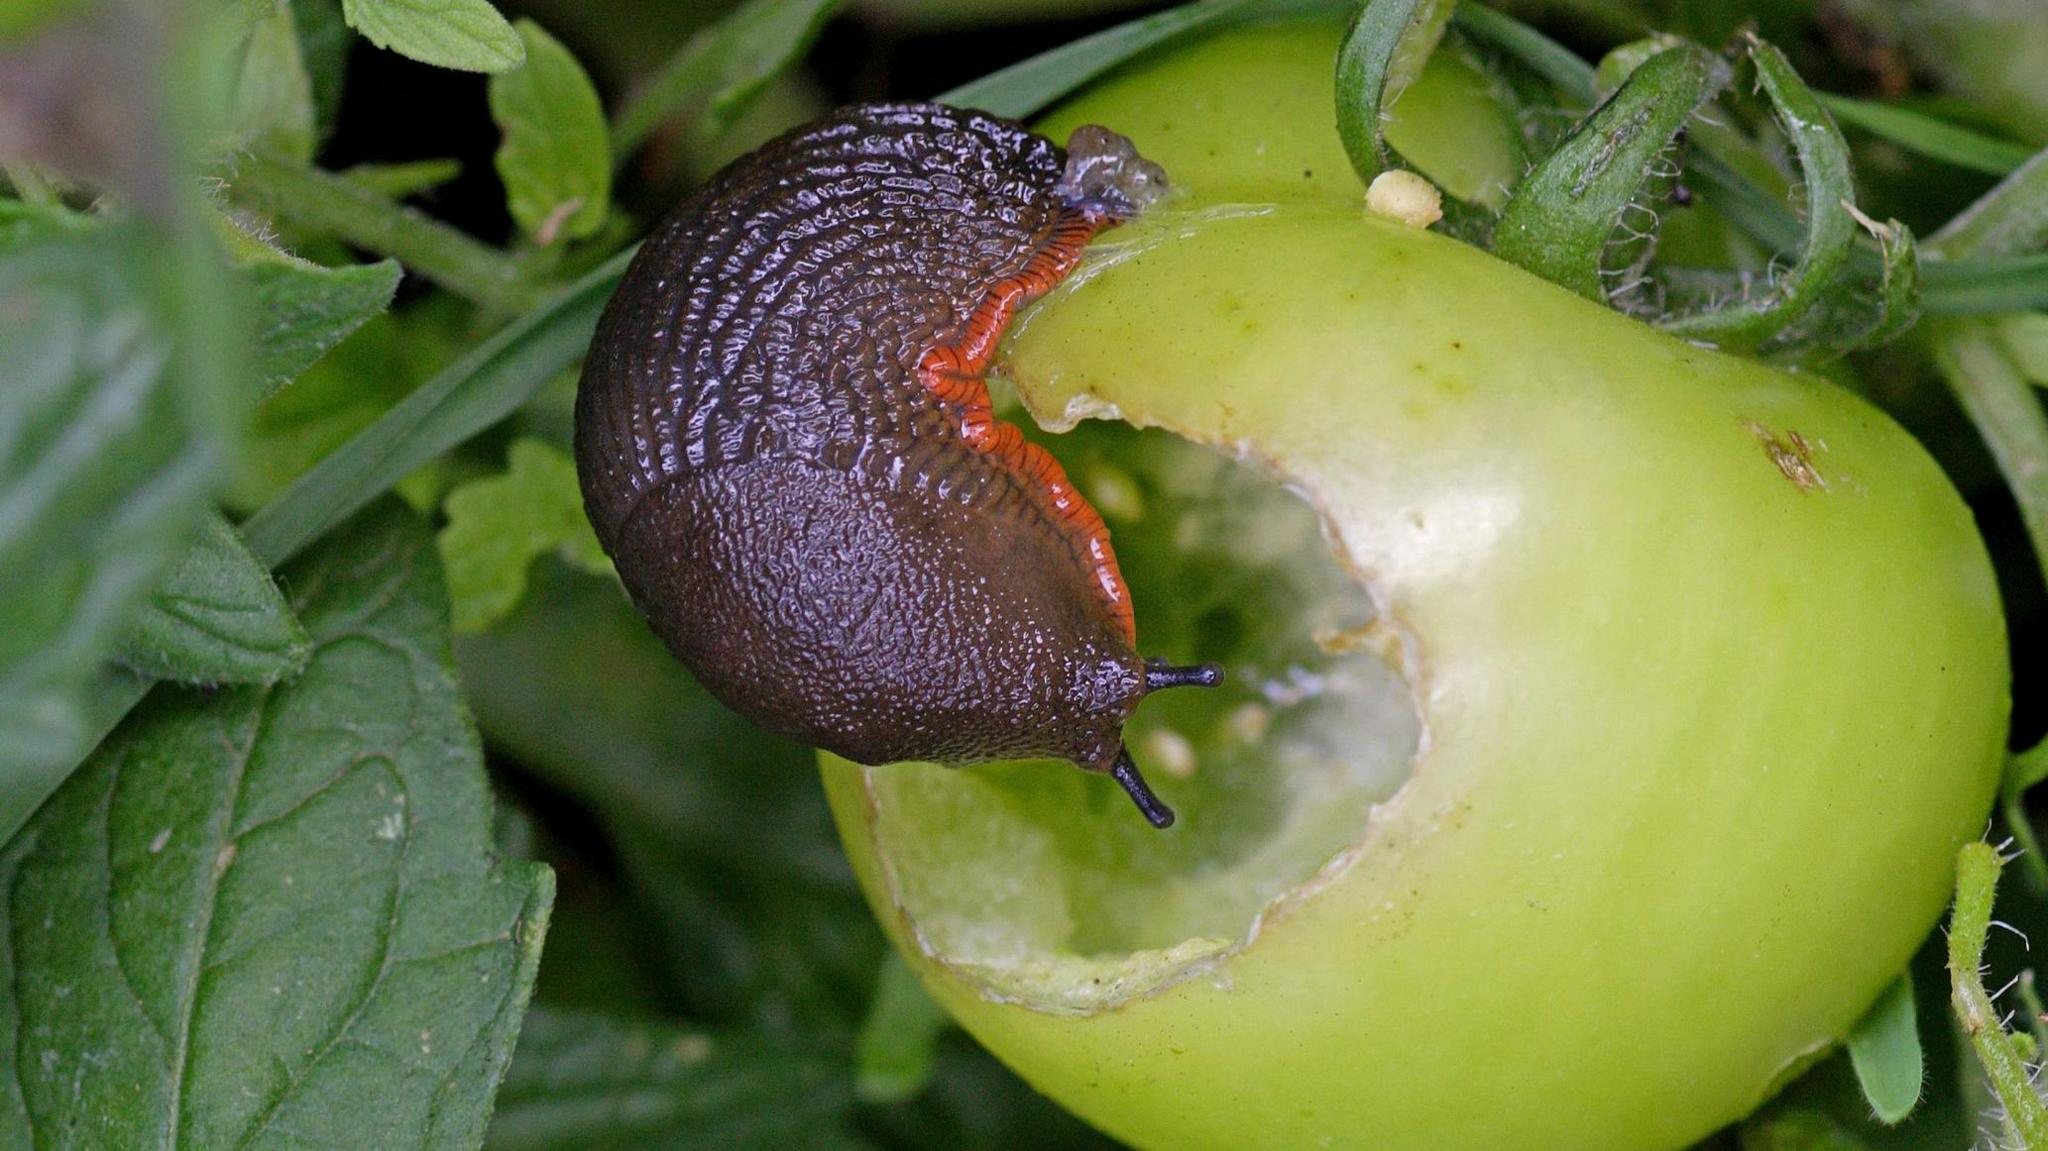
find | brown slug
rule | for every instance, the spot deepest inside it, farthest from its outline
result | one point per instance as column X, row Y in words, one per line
column 786, row 446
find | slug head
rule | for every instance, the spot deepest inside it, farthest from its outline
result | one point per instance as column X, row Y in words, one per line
column 1105, row 175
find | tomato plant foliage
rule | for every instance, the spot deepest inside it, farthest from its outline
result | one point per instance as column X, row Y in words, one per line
column 286, row 357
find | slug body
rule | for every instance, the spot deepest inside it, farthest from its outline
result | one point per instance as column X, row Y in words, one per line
column 786, row 445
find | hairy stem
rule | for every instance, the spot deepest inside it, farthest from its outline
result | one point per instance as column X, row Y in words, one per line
column 2023, row 1116
column 325, row 202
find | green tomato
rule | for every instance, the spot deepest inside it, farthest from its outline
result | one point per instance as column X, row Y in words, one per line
column 1607, row 710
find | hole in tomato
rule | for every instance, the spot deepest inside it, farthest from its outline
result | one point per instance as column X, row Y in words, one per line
column 1038, row 881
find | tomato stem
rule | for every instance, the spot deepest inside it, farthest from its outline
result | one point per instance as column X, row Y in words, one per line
column 2023, row 1116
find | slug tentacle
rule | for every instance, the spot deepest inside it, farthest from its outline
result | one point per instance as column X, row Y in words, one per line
column 787, row 446
column 1126, row 773
column 1161, row 674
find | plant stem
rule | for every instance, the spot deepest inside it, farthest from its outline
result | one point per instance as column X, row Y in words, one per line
column 2024, row 1117
column 2012, row 805
column 2023, row 771
column 324, row 202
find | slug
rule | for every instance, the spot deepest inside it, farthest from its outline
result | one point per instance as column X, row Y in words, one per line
column 785, row 444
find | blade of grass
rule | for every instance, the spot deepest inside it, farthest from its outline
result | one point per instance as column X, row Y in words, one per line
column 470, row 395
column 1974, row 287
column 1029, row 85
column 2010, row 219
column 1553, row 61
column 1935, row 139
column 722, row 68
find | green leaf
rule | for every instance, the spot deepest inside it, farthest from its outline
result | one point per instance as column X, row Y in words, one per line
column 1622, row 60
column 1933, row 138
column 898, row 1046
column 216, row 618
column 2006, row 220
column 112, row 428
column 467, row 35
column 499, row 525
column 1562, row 220
column 593, row 1083
column 274, row 95
column 720, row 70
column 477, row 391
column 1884, row 1047
column 1382, row 53
column 554, row 159
column 270, row 917
column 304, row 310
column 484, row 387
column 1830, row 222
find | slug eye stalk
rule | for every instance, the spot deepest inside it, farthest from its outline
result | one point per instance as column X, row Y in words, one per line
column 1161, row 674
column 1126, row 773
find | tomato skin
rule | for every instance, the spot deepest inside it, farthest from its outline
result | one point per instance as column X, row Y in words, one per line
column 1709, row 657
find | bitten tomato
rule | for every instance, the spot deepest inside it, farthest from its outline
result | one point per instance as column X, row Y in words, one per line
column 1607, row 773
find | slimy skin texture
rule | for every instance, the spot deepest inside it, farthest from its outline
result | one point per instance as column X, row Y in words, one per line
column 786, row 445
